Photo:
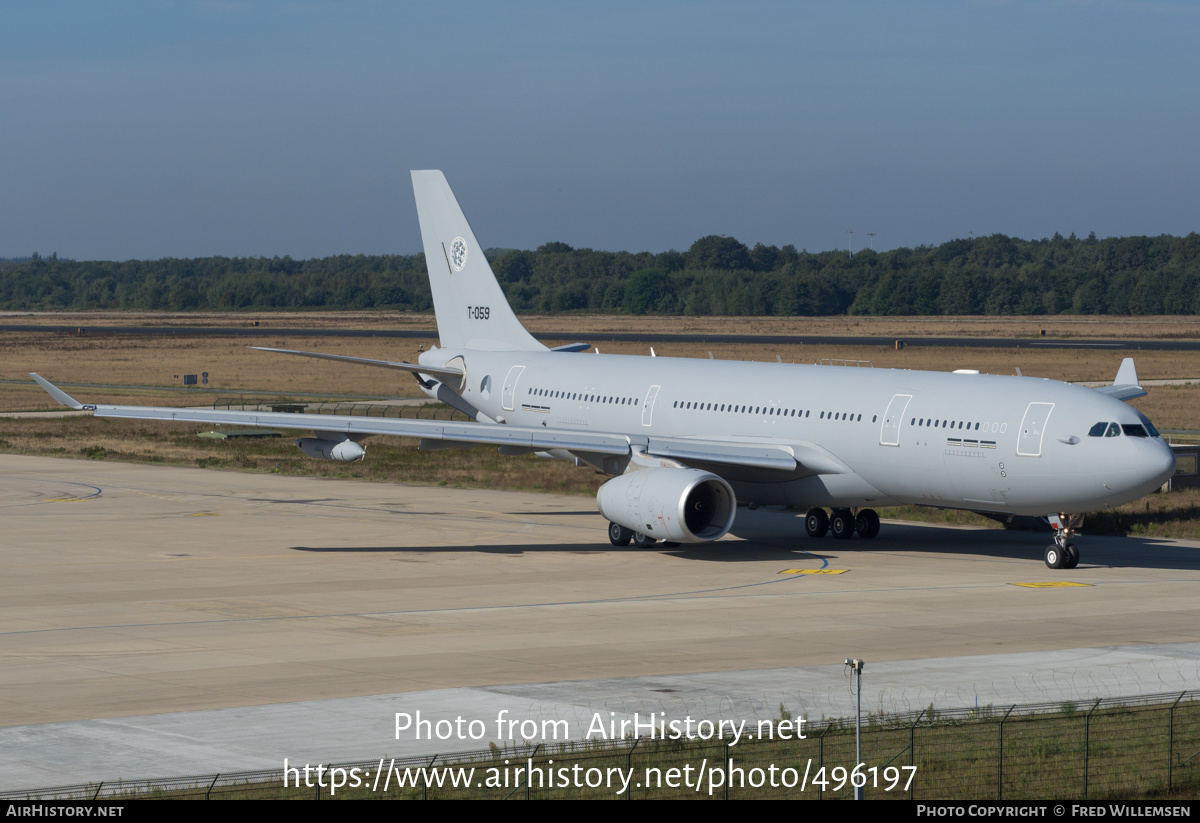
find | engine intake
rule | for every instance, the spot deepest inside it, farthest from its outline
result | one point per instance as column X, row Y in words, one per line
column 682, row 505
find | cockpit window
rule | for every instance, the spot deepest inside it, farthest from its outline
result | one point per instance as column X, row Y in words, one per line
column 1134, row 430
column 1149, row 426
column 1113, row 430
column 1098, row 430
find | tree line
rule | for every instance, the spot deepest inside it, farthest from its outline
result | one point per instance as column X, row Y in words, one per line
column 996, row 275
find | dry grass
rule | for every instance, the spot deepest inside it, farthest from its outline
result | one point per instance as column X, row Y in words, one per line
column 1175, row 515
column 1071, row 327
column 135, row 360
column 1172, row 407
column 1133, row 328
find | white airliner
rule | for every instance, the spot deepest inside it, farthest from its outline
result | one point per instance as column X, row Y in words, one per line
column 685, row 439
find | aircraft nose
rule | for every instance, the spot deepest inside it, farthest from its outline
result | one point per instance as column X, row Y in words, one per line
column 1159, row 463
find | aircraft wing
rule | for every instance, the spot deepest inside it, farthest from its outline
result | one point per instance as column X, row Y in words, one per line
column 473, row 433
column 809, row 458
column 750, row 455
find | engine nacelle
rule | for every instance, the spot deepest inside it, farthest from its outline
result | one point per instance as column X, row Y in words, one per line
column 345, row 451
column 681, row 505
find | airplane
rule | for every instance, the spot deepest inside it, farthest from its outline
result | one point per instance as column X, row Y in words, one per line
column 684, row 440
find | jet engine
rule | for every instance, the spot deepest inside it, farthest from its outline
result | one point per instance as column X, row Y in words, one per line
column 682, row 505
column 345, row 451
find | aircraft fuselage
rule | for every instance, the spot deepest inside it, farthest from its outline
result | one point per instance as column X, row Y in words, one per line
column 1017, row 445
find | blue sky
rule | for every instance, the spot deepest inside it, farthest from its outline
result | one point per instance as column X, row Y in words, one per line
column 152, row 129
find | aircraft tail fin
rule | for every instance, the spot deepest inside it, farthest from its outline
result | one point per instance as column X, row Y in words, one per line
column 471, row 309
column 1127, row 374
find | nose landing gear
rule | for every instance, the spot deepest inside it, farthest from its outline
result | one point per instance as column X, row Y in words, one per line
column 1063, row 554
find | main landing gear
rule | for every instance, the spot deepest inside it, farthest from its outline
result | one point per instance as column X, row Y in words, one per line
column 618, row 535
column 842, row 524
column 1063, row 554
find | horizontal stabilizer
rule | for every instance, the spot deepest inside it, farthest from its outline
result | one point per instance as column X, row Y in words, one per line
column 432, row 371
column 1126, row 385
column 573, row 347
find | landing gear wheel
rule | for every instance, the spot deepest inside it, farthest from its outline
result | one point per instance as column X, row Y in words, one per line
column 816, row 523
column 643, row 541
column 841, row 525
column 1064, row 554
column 1072, row 558
column 867, row 524
column 1055, row 557
column 618, row 535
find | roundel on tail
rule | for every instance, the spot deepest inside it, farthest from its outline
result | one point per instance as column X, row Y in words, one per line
column 458, row 253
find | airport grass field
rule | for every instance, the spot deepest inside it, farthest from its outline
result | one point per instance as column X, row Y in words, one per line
column 147, row 369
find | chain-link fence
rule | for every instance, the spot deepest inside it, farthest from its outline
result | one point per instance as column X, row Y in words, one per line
column 1105, row 749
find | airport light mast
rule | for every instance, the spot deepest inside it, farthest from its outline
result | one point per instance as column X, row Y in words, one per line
column 856, row 667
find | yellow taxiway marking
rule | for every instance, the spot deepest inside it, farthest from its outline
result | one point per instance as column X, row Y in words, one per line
column 814, row 571
column 1057, row 584
column 204, row 514
column 65, row 499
